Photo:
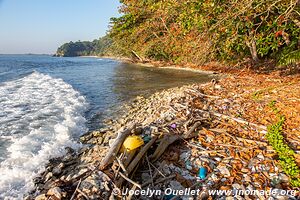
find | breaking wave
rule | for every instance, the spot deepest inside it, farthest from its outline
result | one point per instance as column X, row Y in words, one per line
column 39, row 117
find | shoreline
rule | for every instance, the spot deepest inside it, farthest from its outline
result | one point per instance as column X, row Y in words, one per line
column 156, row 64
column 165, row 114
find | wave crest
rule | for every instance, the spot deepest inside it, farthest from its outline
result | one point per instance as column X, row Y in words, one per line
column 40, row 117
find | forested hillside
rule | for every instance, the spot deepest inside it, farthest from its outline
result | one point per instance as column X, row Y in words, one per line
column 84, row 48
column 200, row 31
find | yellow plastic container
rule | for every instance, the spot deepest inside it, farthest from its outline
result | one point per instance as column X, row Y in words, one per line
column 132, row 142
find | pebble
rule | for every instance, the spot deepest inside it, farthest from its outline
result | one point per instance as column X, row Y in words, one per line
column 58, row 169
column 41, row 197
column 48, row 176
column 56, row 192
column 224, row 171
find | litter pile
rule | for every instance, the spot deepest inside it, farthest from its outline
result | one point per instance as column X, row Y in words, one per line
column 182, row 143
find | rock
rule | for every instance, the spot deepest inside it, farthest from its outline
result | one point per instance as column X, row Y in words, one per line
column 145, row 176
column 86, row 137
column 237, row 186
column 37, row 179
column 97, row 133
column 69, row 150
column 56, row 192
column 153, row 129
column 247, row 178
column 41, row 197
column 110, row 142
column 108, row 121
column 168, row 118
column 283, row 178
column 260, row 156
column 223, row 179
column 224, row 171
column 69, row 177
column 68, row 157
column 63, row 178
column 214, row 177
column 121, row 121
column 218, row 159
column 48, row 176
column 245, row 170
column 175, row 185
column 58, row 169
column 100, row 140
column 138, row 131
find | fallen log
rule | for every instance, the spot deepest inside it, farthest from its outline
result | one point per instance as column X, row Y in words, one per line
column 163, row 145
column 113, row 151
column 136, row 160
column 139, row 156
column 192, row 130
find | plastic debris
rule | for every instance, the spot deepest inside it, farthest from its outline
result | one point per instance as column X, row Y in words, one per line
column 173, row 126
column 202, row 172
column 133, row 142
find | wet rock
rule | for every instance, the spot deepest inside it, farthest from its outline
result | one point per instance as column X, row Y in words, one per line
column 68, row 157
column 108, row 121
column 97, row 133
column 56, row 192
column 38, row 179
column 69, row 150
column 48, row 176
column 86, row 137
column 58, row 169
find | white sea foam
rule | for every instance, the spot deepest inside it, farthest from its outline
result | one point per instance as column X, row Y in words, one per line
column 39, row 116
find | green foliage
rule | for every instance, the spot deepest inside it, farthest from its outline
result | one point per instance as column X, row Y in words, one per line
column 290, row 58
column 285, row 153
column 84, row 48
column 199, row 31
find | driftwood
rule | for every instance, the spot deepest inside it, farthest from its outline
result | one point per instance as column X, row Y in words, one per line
column 137, row 159
column 121, row 165
column 73, row 195
column 163, row 145
column 170, row 139
column 129, row 197
column 136, row 55
column 191, row 130
column 108, row 159
column 140, row 155
column 128, row 156
column 241, row 121
column 151, row 180
column 239, row 138
column 131, row 181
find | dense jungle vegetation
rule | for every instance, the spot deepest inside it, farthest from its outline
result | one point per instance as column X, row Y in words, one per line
column 202, row 31
column 85, row 48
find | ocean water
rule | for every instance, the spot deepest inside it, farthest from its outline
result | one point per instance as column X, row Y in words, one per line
column 46, row 103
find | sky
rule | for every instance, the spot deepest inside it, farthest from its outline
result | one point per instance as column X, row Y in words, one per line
column 41, row 26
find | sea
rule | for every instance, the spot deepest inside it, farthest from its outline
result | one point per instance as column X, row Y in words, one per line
column 47, row 102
